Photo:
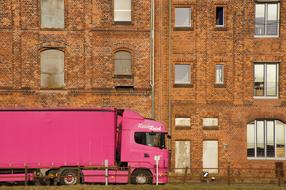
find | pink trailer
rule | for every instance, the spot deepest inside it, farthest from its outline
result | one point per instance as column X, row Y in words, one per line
column 73, row 146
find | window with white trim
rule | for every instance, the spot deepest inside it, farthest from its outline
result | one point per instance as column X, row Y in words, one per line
column 122, row 10
column 266, row 139
column 219, row 74
column 52, row 14
column 182, row 122
column 266, row 79
column 267, row 19
column 183, row 17
column 182, row 74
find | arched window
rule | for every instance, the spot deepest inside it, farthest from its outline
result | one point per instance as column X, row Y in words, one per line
column 52, row 14
column 52, row 69
column 266, row 139
column 122, row 61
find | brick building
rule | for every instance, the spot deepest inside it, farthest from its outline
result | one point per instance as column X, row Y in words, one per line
column 69, row 53
column 221, row 81
column 219, row 69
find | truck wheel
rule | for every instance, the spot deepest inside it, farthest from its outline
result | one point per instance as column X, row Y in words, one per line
column 69, row 177
column 141, row 177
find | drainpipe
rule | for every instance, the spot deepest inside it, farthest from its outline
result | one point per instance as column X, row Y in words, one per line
column 170, row 72
column 152, row 60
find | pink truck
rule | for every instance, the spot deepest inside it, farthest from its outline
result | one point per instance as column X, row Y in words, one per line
column 71, row 146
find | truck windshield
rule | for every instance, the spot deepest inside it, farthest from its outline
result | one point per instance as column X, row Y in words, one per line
column 150, row 139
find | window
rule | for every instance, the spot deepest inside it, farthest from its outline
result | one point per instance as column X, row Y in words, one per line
column 52, row 69
column 122, row 61
column 266, row 139
column 150, row 139
column 266, row 19
column 183, row 17
column 210, row 156
column 219, row 16
column 52, row 14
column 266, row 80
column 182, row 156
column 122, row 10
column 182, row 122
column 210, row 122
column 182, row 74
column 219, row 76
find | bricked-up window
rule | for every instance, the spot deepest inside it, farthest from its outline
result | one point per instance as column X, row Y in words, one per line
column 52, row 14
column 182, row 122
column 219, row 16
column 266, row 139
column 182, row 156
column 219, row 74
column 266, row 19
column 122, row 10
column 52, row 69
column 122, row 61
column 182, row 74
column 266, row 79
column 183, row 17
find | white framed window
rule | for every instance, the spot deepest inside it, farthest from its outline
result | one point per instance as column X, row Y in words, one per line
column 219, row 16
column 267, row 19
column 52, row 69
column 122, row 10
column 266, row 139
column 182, row 74
column 266, row 80
column 219, row 74
column 182, row 156
column 52, row 14
column 183, row 17
column 122, row 61
column 210, row 122
column 182, row 122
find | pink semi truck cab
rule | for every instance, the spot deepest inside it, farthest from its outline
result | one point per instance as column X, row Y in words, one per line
column 71, row 146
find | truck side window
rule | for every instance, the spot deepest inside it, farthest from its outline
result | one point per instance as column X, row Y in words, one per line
column 150, row 139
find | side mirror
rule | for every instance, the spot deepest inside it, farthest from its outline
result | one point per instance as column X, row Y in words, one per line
column 169, row 136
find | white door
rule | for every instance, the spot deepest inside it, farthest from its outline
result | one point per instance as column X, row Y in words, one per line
column 210, row 156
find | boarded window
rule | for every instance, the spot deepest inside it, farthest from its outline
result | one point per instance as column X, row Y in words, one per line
column 52, row 14
column 182, row 156
column 210, row 156
column 183, row 17
column 210, row 122
column 52, row 69
column 182, row 122
column 122, row 10
column 182, row 74
column 219, row 76
column 122, row 63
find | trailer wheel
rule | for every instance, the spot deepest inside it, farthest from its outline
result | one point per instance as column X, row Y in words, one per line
column 69, row 177
column 141, row 177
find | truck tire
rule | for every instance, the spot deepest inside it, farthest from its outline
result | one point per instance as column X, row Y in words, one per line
column 141, row 177
column 69, row 177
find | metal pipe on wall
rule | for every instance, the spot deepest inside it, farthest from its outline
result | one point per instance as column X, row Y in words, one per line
column 152, row 60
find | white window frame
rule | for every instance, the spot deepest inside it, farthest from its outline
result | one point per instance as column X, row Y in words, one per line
column 222, row 74
column 265, row 142
column 265, row 80
column 190, row 18
column 223, row 18
column 266, row 14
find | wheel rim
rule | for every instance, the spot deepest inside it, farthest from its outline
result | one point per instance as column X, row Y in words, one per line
column 141, row 179
column 70, row 179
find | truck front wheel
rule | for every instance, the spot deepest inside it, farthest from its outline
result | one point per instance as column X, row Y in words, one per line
column 69, row 177
column 141, row 177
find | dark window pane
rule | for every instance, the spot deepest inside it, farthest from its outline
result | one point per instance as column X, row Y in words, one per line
column 270, row 139
column 219, row 16
column 260, row 144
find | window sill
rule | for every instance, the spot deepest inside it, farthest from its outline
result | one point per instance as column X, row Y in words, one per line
column 211, row 128
column 122, row 22
column 220, row 28
column 265, row 98
column 183, row 85
column 185, row 28
column 222, row 85
column 52, row 29
column 123, row 77
column 183, row 127
column 264, row 158
column 266, row 36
